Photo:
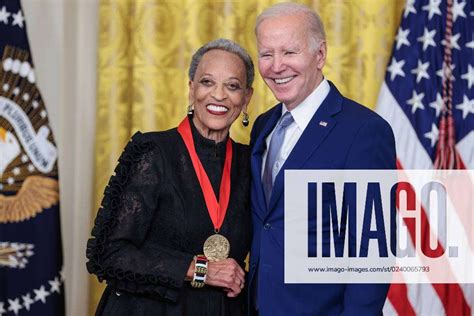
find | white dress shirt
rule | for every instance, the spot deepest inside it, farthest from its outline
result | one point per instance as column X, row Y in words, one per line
column 302, row 114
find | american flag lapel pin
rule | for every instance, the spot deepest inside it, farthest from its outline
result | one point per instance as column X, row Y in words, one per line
column 323, row 123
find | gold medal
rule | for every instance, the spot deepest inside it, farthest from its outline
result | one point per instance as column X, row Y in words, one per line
column 216, row 248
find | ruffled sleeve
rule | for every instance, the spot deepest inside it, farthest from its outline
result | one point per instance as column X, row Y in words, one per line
column 119, row 251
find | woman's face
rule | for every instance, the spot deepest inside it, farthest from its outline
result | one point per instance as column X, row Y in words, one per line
column 219, row 93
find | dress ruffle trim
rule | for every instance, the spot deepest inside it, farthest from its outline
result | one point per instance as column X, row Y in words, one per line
column 106, row 221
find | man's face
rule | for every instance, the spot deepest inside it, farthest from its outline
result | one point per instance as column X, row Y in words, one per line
column 287, row 62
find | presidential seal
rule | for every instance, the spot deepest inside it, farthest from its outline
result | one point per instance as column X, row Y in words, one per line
column 28, row 153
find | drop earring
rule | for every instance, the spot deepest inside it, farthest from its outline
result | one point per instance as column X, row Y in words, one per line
column 245, row 119
column 190, row 110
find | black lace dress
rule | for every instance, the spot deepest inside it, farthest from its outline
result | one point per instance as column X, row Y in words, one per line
column 153, row 220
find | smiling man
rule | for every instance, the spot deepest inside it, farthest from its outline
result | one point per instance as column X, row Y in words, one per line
column 313, row 127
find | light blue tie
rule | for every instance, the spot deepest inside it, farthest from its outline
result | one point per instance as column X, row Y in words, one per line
column 273, row 151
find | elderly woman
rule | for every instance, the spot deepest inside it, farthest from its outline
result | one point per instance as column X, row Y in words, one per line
column 174, row 228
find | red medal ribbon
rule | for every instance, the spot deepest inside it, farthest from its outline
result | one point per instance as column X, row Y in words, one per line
column 217, row 210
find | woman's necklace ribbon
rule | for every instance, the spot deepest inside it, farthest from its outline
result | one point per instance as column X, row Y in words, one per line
column 216, row 247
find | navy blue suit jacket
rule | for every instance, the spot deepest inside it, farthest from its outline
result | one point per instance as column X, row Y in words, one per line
column 354, row 138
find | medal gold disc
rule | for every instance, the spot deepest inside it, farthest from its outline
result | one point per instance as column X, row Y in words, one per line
column 216, row 248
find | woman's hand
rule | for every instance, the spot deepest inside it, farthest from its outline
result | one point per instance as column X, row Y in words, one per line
column 227, row 274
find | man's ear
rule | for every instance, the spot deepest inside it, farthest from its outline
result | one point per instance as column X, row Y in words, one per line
column 321, row 54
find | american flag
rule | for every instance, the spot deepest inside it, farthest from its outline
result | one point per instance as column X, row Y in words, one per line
column 428, row 99
column 31, row 278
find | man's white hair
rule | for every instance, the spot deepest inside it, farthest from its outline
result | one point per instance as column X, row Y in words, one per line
column 315, row 25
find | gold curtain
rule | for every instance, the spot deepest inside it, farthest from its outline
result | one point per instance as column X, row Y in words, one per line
column 145, row 47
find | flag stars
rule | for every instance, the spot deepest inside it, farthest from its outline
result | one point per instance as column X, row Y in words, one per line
column 14, row 306
column 31, row 168
column 16, row 171
column 10, row 181
column 27, row 301
column 458, row 10
column 415, row 102
column 421, row 71
column 470, row 44
column 5, row 87
column 467, row 107
column 22, row 264
column 432, row 8
column 427, row 38
column 18, row 19
column 55, row 285
column 454, row 41
column 41, row 294
column 396, row 68
column 441, row 72
column 43, row 114
column 35, row 104
column 24, row 158
column 4, row 15
column 26, row 97
column 16, row 91
column 402, row 37
column 433, row 135
column 410, row 8
column 469, row 76
column 437, row 104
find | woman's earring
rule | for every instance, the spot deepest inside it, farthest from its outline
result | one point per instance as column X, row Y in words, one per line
column 245, row 119
column 190, row 110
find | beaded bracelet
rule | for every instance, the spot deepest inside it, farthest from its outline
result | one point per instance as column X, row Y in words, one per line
column 200, row 271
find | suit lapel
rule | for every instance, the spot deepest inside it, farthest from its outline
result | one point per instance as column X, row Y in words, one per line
column 317, row 130
column 257, row 157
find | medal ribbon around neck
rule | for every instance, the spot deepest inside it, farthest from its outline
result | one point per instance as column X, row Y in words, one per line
column 217, row 210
